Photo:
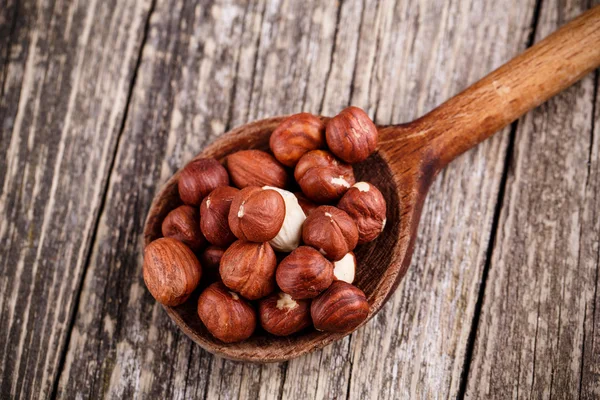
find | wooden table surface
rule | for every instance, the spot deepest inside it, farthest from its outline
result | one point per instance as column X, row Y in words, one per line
column 102, row 100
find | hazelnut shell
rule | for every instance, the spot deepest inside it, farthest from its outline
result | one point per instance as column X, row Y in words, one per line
column 214, row 214
column 171, row 271
column 365, row 204
column 183, row 224
column 281, row 315
column 341, row 308
column 199, row 178
column 256, row 214
column 249, row 269
column 227, row 316
column 256, row 168
column 304, row 273
column 351, row 135
column 210, row 259
column 295, row 136
column 331, row 231
column 322, row 177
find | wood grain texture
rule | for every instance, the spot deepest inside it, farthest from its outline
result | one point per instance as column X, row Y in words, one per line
column 208, row 66
column 538, row 328
column 319, row 52
column 65, row 87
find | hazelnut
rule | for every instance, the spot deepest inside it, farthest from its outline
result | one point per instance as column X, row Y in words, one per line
column 351, row 135
column 281, row 315
column 226, row 315
column 214, row 214
column 341, row 308
column 199, row 178
column 365, row 204
column 256, row 214
column 256, row 168
column 249, row 269
column 304, row 273
column 305, row 203
column 183, row 224
column 210, row 259
column 288, row 237
column 296, row 135
column 171, row 271
column 322, row 177
column 331, row 231
column 345, row 269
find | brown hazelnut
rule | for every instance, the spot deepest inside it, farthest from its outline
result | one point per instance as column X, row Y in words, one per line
column 210, row 259
column 341, row 308
column 365, row 204
column 256, row 168
column 331, row 231
column 351, row 135
column 199, row 178
column 256, row 214
column 304, row 273
column 296, row 135
column 249, row 269
column 214, row 214
column 322, row 177
column 226, row 315
column 282, row 315
column 345, row 269
column 306, row 205
column 183, row 224
column 171, row 271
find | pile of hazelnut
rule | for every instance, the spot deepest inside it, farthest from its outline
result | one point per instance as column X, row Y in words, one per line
column 277, row 258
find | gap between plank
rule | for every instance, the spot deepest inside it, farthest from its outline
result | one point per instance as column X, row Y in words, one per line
column 593, row 311
column 494, row 231
column 77, row 297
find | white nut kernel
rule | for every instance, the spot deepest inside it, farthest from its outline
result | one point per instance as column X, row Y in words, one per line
column 288, row 237
column 345, row 269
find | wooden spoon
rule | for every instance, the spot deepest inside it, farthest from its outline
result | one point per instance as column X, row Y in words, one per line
column 408, row 158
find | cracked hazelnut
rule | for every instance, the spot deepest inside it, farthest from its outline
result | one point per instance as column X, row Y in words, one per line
column 304, row 273
column 256, row 168
column 341, row 308
column 305, row 203
column 183, row 224
column 281, row 315
column 214, row 214
column 288, row 237
column 322, row 177
column 226, row 315
column 171, row 271
column 256, row 214
column 351, row 135
column 345, row 269
column 249, row 269
column 365, row 204
column 210, row 260
column 331, row 231
column 199, row 178
column 295, row 136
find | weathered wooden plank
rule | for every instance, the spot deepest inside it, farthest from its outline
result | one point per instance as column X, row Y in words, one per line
column 122, row 339
column 537, row 327
column 415, row 347
column 66, row 84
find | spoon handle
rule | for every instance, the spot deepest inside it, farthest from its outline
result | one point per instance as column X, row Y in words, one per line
column 504, row 95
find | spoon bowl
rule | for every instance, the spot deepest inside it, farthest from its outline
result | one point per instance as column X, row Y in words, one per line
column 408, row 158
column 380, row 269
